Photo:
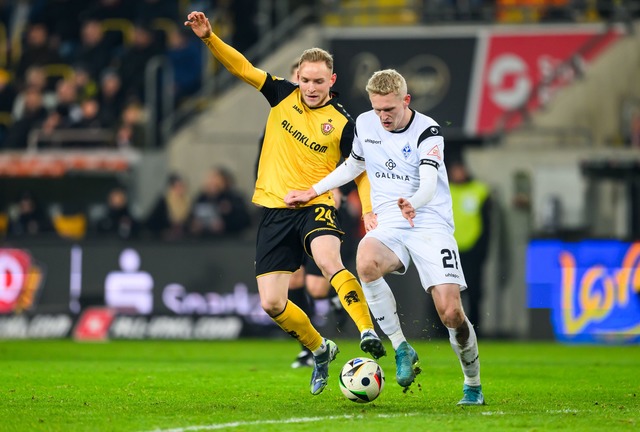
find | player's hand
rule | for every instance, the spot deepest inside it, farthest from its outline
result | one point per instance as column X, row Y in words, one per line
column 199, row 23
column 294, row 198
column 408, row 212
column 370, row 221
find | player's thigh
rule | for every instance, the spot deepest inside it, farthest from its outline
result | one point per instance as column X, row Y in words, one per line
column 297, row 279
column 435, row 256
column 273, row 289
column 325, row 250
column 375, row 259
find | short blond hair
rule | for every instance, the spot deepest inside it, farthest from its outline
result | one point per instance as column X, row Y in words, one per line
column 387, row 81
column 314, row 55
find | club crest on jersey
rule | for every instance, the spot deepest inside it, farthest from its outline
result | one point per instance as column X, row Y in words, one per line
column 326, row 128
column 435, row 152
column 406, row 150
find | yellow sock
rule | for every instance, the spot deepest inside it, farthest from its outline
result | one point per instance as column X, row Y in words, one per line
column 295, row 322
column 352, row 299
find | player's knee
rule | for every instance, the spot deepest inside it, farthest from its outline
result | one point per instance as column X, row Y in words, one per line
column 452, row 316
column 368, row 269
column 273, row 307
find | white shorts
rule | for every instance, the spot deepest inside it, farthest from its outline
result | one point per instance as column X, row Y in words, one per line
column 434, row 254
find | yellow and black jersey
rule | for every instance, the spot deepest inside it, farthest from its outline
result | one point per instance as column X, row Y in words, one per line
column 301, row 144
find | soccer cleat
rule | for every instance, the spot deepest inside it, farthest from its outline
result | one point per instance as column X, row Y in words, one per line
column 303, row 359
column 472, row 395
column 371, row 343
column 406, row 365
column 320, row 373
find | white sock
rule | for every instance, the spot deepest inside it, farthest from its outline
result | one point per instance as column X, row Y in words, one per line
column 321, row 349
column 468, row 355
column 383, row 308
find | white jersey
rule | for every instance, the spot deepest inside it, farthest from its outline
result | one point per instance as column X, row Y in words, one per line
column 392, row 161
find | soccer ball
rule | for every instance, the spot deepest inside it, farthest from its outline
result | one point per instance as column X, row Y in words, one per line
column 361, row 380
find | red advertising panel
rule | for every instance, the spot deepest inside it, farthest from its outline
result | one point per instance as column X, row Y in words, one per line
column 20, row 280
column 517, row 63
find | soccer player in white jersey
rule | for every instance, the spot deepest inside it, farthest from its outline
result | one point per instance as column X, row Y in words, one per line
column 403, row 153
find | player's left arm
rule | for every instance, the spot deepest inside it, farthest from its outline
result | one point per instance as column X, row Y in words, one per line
column 430, row 146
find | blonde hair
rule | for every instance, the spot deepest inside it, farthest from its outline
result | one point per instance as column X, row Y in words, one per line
column 314, row 55
column 387, row 81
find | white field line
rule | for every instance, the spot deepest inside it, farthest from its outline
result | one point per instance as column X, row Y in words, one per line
column 218, row 426
column 280, row 421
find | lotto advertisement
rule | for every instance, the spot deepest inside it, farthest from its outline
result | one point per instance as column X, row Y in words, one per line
column 591, row 287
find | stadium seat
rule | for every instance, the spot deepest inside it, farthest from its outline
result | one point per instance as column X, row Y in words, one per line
column 70, row 226
column 119, row 25
column 59, row 70
column 4, row 223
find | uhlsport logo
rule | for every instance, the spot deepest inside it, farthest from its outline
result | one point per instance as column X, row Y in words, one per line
column 20, row 280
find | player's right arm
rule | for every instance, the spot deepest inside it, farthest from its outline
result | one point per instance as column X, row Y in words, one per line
column 230, row 58
column 344, row 173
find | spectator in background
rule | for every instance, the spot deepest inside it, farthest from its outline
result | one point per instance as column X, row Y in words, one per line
column 61, row 18
column 26, row 218
column 67, row 102
column 185, row 55
column 90, row 115
column 170, row 216
column 94, row 51
column 35, row 79
column 471, row 215
column 7, row 97
column 111, row 98
column 37, row 49
column 132, row 63
column 8, row 91
column 85, row 84
column 66, row 112
column 118, row 221
column 219, row 208
column 130, row 131
column 33, row 117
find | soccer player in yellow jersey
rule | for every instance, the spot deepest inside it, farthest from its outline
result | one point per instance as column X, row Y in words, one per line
column 306, row 134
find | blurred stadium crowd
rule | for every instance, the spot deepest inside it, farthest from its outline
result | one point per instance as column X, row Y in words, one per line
column 70, row 66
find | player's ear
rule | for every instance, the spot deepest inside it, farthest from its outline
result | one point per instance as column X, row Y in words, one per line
column 334, row 77
column 407, row 99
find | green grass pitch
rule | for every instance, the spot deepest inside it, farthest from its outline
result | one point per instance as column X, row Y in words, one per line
column 247, row 385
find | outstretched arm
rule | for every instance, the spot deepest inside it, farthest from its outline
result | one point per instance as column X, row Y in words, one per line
column 344, row 173
column 230, row 58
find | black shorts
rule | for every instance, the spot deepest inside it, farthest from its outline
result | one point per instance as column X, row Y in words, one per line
column 285, row 235
column 310, row 266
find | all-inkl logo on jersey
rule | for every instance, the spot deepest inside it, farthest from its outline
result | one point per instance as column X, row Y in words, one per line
column 301, row 137
column 435, row 152
column 326, row 128
column 390, row 164
column 406, row 150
